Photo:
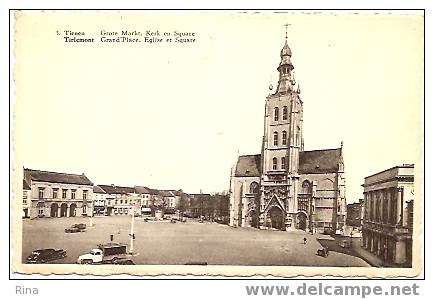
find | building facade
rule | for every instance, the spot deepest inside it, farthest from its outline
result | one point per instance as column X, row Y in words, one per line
column 121, row 200
column 388, row 216
column 355, row 213
column 99, row 201
column 26, row 199
column 286, row 187
column 55, row 194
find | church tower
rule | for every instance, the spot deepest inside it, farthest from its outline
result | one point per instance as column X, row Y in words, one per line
column 282, row 144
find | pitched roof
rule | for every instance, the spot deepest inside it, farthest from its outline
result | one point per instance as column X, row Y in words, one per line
column 166, row 193
column 56, row 177
column 319, row 161
column 154, row 191
column 26, row 186
column 248, row 165
column 142, row 190
column 112, row 189
column 98, row 189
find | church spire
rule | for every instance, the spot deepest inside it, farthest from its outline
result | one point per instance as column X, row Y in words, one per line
column 285, row 67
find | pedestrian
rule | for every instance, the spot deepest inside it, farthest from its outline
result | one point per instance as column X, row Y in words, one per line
column 304, row 240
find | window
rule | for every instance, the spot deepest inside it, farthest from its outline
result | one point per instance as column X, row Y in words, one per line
column 254, row 187
column 276, row 113
column 275, row 138
column 41, row 193
column 284, row 137
column 305, row 187
column 116, row 201
column 73, row 194
column 64, row 193
column 122, row 201
column 55, row 192
column 283, row 163
column 285, row 113
column 297, row 138
column 274, row 163
column 84, row 209
column 25, row 195
column 84, row 194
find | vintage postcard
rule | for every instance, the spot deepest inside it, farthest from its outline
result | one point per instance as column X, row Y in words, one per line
column 231, row 143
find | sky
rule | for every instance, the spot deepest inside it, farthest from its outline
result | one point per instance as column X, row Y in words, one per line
column 175, row 116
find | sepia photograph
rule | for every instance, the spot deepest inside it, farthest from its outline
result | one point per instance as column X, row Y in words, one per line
column 234, row 143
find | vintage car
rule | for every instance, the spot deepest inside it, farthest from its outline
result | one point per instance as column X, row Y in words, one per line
column 42, row 256
column 324, row 252
column 76, row 228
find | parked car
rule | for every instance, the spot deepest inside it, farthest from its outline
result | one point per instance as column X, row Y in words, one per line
column 76, row 228
column 324, row 252
column 42, row 256
column 328, row 231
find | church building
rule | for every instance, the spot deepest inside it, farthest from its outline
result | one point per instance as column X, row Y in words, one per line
column 286, row 187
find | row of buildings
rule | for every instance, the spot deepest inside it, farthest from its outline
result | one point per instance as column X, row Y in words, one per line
column 53, row 194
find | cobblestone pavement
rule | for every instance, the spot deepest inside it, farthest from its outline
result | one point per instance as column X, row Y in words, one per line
column 183, row 243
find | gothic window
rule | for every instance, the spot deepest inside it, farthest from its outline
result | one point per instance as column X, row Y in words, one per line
column 275, row 138
column 276, row 113
column 254, row 187
column 297, row 137
column 285, row 112
column 283, row 163
column 305, row 187
column 284, row 137
column 274, row 163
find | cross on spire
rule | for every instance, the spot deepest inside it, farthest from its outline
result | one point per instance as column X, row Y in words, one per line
column 286, row 30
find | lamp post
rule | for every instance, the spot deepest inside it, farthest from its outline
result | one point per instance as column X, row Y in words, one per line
column 91, row 214
column 132, row 236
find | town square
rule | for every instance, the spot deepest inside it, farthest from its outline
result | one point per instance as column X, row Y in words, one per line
column 189, row 243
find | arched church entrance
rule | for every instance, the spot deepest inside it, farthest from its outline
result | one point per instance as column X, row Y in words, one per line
column 72, row 210
column 301, row 220
column 63, row 210
column 277, row 218
column 54, row 210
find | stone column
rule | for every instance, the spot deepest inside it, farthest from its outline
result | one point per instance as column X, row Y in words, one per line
column 381, row 203
column 389, row 206
column 399, row 207
column 68, row 210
